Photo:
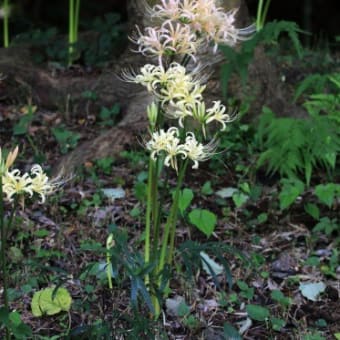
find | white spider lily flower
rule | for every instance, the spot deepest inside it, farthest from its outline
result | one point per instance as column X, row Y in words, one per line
column 167, row 40
column 217, row 113
column 180, row 39
column 196, row 151
column 150, row 43
column 167, row 142
column 169, row 9
column 173, row 149
column 207, row 19
column 190, row 95
column 179, row 111
column 40, row 183
column 160, row 139
column 13, row 183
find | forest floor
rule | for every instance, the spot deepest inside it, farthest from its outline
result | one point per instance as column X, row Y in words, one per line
column 62, row 242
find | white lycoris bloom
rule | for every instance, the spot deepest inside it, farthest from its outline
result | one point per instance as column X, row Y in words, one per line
column 13, row 183
column 180, row 112
column 196, row 151
column 180, row 39
column 160, row 139
column 206, row 19
column 40, row 183
column 217, row 113
column 150, row 43
column 168, row 39
column 149, row 76
column 167, row 142
column 168, row 9
column 172, row 86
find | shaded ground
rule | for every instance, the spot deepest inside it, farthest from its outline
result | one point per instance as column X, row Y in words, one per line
column 56, row 243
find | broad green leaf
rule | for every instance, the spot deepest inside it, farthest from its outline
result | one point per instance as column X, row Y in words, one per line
column 278, row 296
column 257, row 313
column 277, row 324
column 15, row 318
column 204, row 220
column 289, row 193
column 230, row 332
column 50, row 302
column 327, row 192
column 21, row 127
column 185, row 198
column 240, row 198
column 313, row 210
column 207, row 189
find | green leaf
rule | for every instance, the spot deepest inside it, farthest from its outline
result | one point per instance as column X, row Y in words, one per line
column 230, row 332
column 15, row 318
column 289, row 193
column 257, row 313
column 313, row 210
column 278, row 296
column 327, row 192
column 277, row 324
column 204, row 220
column 22, row 126
column 207, row 189
column 183, row 309
column 240, row 198
column 51, row 301
column 185, row 198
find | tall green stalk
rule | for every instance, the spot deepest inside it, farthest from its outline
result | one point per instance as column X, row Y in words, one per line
column 5, row 28
column 262, row 11
column 74, row 9
column 150, row 189
column 167, row 249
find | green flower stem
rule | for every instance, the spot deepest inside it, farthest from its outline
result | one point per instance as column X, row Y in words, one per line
column 170, row 227
column 258, row 15
column 76, row 20
column 6, row 15
column 265, row 12
column 158, row 220
column 74, row 8
column 174, row 217
column 262, row 10
column 71, row 26
column 149, row 201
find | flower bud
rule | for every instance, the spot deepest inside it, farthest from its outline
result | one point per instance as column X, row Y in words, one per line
column 152, row 111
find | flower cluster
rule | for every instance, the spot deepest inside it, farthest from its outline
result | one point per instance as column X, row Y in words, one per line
column 169, row 144
column 183, row 27
column 188, row 25
column 180, row 94
column 15, row 183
